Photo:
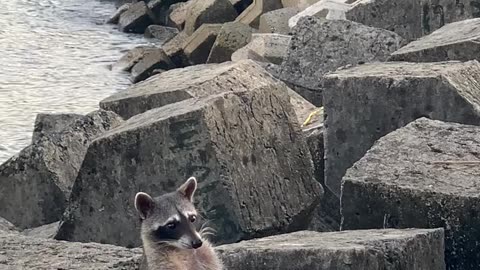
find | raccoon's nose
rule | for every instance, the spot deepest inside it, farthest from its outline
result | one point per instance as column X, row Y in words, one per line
column 197, row 243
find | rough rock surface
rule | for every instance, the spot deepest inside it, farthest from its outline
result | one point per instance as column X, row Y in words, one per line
column 424, row 175
column 38, row 181
column 131, row 58
column 22, row 252
column 241, row 5
column 346, row 250
column 48, row 124
column 276, row 21
column 231, row 37
column 251, row 15
column 324, row 9
column 116, row 16
column 177, row 14
column 300, row 4
column 272, row 47
column 239, row 145
column 455, row 41
column 208, row 11
column 198, row 46
column 174, row 49
column 319, row 46
column 366, row 102
column 136, row 18
column 190, row 82
column 154, row 59
column 161, row 32
column 6, row 225
column 412, row 19
column 47, row 231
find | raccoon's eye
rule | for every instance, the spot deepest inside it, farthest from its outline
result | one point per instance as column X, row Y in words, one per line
column 193, row 218
column 171, row 225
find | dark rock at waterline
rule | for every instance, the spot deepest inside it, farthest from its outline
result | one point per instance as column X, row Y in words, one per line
column 37, row 181
column 239, row 145
column 160, row 32
column 154, row 59
column 116, row 16
column 202, row 12
column 50, row 124
column 136, row 19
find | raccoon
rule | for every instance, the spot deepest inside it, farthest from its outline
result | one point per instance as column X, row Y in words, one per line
column 168, row 231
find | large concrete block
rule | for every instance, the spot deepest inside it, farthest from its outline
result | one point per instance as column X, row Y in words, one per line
column 116, row 16
column 300, row 4
column 6, row 225
column 251, row 15
column 131, row 58
column 160, row 32
column 412, row 18
column 424, row 175
column 50, row 124
column 365, row 103
column 136, row 19
column 323, row 9
column 36, row 183
column 21, row 252
column 198, row 46
column 320, row 46
column 412, row 249
column 208, row 11
column 276, row 21
column 154, row 59
column 455, row 41
column 241, row 146
column 272, row 47
column 231, row 37
column 174, row 49
column 191, row 82
column 177, row 14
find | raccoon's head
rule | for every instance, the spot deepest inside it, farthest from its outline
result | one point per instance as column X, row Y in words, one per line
column 170, row 219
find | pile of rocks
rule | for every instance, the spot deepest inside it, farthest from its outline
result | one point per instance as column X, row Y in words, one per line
column 235, row 93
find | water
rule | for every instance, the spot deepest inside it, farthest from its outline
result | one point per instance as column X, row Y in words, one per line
column 55, row 57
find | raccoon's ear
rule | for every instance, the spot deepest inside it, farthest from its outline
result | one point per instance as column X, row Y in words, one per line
column 144, row 204
column 188, row 188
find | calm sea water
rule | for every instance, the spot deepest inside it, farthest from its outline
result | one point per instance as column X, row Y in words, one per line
column 55, row 56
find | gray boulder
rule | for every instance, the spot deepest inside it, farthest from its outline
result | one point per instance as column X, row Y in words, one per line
column 271, row 47
column 455, row 41
column 320, row 46
column 136, row 19
column 425, row 175
column 21, row 252
column 131, row 58
column 6, row 225
column 346, row 250
column 47, row 231
column 50, row 124
column 174, row 49
column 116, row 16
column 231, row 37
column 251, row 15
column 276, row 21
column 412, row 19
column 161, row 32
column 208, row 11
column 177, row 14
column 36, row 183
column 154, row 59
column 239, row 145
column 364, row 103
column 198, row 46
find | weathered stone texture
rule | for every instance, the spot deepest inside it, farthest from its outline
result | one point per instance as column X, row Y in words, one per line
column 365, row 103
column 136, row 18
column 6, row 225
column 198, row 46
column 177, row 14
column 131, row 58
column 276, row 21
column 47, row 231
column 239, row 145
column 231, row 37
column 174, row 49
column 251, row 15
column 160, row 32
column 151, row 60
column 208, row 11
column 48, row 124
column 191, row 82
column 455, row 41
column 116, row 16
column 413, row 249
column 272, row 47
column 22, row 252
column 420, row 176
column 300, row 4
column 319, row 46
column 412, row 19
column 38, row 181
